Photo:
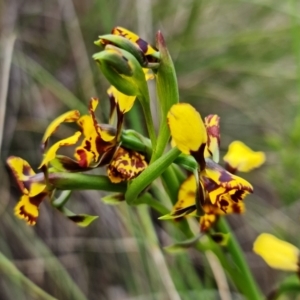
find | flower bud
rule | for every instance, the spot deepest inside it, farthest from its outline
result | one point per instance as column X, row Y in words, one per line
column 122, row 70
column 123, row 43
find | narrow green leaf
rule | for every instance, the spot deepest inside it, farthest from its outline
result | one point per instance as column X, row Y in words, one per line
column 220, row 238
column 81, row 220
column 184, row 245
column 113, row 199
column 167, row 91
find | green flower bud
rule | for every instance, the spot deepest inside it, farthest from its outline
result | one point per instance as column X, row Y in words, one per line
column 122, row 70
column 124, row 44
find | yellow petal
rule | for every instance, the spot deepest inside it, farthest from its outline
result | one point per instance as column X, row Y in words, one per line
column 240, row 157
column 53, row 149
column 124, row 102
column 277, row 254
column 23, row 172
column 187, row 128
column 106, row 133
column 28, row 208
column 143, row 45
column 70, row 116
column 186, row 195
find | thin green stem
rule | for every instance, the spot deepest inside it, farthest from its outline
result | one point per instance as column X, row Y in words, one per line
column 171, row 183
column 253, row 291
column 149, row 175
column 73, row 181
column 149, row 121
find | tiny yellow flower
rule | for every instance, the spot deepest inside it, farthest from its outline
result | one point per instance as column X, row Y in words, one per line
column 277, row 253
column 241, row 158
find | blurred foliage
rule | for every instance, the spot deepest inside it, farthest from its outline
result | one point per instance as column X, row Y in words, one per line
column 237, row 59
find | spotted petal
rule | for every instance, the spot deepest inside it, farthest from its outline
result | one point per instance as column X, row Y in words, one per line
column 28, row 208
column 126, row 165
column 23, row 173
column 213, row 137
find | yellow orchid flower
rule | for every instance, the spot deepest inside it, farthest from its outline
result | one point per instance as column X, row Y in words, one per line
column 226, row 202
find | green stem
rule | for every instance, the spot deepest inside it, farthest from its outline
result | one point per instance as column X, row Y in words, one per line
column 152, row 202
column 149, row 175
column 148, row 118
column 32, row 290
column 171, row 183
column 73, row 181
column 250, row 285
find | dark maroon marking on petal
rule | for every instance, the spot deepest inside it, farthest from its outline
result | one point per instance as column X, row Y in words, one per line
column 36, row 200
column 77, row 218
column 29, row 218
column 143, row 45
column 230, row 169
column 209, row 184
column 213, row 131
column 83, row 159
column 199, row 156
column 223, row 205
column 238, row 195
column 26, row 170
column 87, row 145
column 236, row 208
column 185, row 210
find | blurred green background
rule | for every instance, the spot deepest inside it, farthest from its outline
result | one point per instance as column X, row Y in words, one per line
column 238, row 59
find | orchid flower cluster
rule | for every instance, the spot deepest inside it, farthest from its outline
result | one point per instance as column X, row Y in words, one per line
column 132, row 161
